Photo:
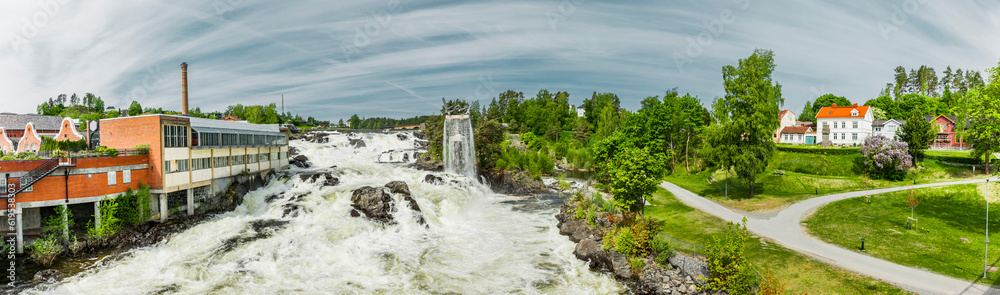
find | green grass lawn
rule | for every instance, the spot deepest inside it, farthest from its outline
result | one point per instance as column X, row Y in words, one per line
column 945, row 215
column 806, row 176
column 800, row 273
column 950, row 153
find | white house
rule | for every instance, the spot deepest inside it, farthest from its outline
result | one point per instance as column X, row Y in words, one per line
column 796, row 134
column 580, row 112
column 786, row 119
column 848, row 125
column 887, row 128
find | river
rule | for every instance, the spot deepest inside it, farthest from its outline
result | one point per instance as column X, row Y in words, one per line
column 475, row 241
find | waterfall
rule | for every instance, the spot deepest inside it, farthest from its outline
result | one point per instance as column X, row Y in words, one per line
column 459, row 146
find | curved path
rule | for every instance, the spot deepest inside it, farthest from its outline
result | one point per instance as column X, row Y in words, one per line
column 785, row 228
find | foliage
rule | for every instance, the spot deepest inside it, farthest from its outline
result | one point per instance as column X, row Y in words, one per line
column 133, row 206
column 22, row 156
column 635, row 174
column 771, row 285
column 885, row 158
column 537, row 163
column 912, row 201
column 624, row 242
column 379, row 122
column 57, row 226
column 818, row 150
column 49, row 144
column 727, row 263
column 661, row 246
column 985, row 118
column 142, row 149
column 828, row 100
column 489, row 143
column 45, row 250
column 109, row 224
column 752, row 100
column 109, row 152
column 135, row 109
column 917, row 133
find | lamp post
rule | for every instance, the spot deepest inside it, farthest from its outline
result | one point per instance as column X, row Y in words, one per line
column 987, row 241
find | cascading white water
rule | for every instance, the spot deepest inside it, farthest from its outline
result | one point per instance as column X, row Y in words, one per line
column 475, row 241
column 459, row 146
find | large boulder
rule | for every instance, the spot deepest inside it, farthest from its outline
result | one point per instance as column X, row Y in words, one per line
column 590, row 250
column 513, row 183
column 300, row 161
column 398, row 187
column 432, row 179
column 577, row 230
column 326, row 177
column 620, row 266
column 374, row 203
column 357, row 143
column 47, row 276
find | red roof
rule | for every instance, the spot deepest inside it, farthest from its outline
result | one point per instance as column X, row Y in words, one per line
column 782, row 114
column 795, row 130
column 842, row 112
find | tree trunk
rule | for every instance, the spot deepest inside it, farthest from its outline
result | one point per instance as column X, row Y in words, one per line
column 751, row 189
column 687, row 145
column 988, row 164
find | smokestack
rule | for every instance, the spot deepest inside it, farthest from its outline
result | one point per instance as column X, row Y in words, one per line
column 184, row 86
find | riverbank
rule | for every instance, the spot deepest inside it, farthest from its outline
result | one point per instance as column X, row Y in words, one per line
column 683, row 274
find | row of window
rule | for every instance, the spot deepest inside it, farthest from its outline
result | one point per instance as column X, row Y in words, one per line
column 225, row 139
column 175, row 136
column 843, row 124
column 854, row 136
column 222, row 161
column 789, row 137
column 112, row 180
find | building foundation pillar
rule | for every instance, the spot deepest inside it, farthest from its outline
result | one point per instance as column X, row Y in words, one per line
column 97, row 214
column 190, row 201
column 20, row 230
column 164, row 208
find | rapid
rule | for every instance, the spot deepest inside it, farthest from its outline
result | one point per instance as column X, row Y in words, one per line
column 474, row 242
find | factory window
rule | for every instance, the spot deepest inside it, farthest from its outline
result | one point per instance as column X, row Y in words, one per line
column 175, row 136
column 182, row 166
column 222, row 161
column 238, row 160
column 251, row 159
column 265, row 157
column 24, row 182
column 201, row 163
column 112, row 178
column 127, row 176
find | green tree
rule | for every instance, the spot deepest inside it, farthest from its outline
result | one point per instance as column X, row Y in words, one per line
column 489, row 138
column 753, row 99
column 635, row 174
column 917, row 133
column 886, row 104
column 828, row 100
column 984, row 117
column 807, row 114
column 113, row 114
column 135, row 109
column 355, row 121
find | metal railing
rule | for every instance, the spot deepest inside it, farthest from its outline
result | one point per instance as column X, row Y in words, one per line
column 37, row 174
column 79, row 154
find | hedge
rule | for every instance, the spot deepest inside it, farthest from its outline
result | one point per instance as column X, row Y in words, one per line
column 821, row 151
column 961, row 160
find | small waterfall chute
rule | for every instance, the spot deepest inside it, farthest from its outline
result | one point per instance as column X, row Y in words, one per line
column 459, row 146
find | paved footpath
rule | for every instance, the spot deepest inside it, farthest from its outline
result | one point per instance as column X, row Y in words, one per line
column 785, row 228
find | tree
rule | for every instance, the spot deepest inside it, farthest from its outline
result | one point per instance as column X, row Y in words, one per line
column 887, row 105
column 635, row 174
column 879, row 114
column 984, row 119
column 917, row 133
column 912, row 201
column 807, row 114
column 901, row 81
column 135, row 109
column 489, row 138
column 885, row 158
column 828, row 100
column 752, row 101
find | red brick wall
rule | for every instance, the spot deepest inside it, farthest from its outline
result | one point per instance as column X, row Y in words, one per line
column 53, row 187
column 66, row 131
column 31, row 141
column 126, row 133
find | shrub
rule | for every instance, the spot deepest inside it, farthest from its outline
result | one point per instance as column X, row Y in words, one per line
column 581, row 211
column 625, row 242
column 142, row 149
column 109, row 152
column 636, row 264
column 56, row 224
column 727, row 265
column 817, row 150
column 50, row 144
column 771, row 285
column 45, row 250
column 885, row 158
column 661, row 246
column 109, row 221
column 133, row 206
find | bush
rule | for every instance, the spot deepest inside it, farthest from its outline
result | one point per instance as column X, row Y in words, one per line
column 885, row 158
column 818, row 150
column 109, row 221
column 55, row 225
column 45, row 250
column 625, row 242
column 110, row 152
column 142, row 149
column 727, row 265
column 636, row 264
column 133, row 206
column 661, row 246
column 50, row 144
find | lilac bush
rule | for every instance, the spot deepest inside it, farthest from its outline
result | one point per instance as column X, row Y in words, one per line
column 885, row 158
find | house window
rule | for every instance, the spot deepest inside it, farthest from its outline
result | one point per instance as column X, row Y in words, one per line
column 878, row 129
column 112, row 178
column 3, row 184
column 854, row 136
column 855, row 125
column 854, row 113
column 24, row 182
column 127, row 176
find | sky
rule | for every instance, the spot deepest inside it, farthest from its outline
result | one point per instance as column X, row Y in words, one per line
column 398, row 58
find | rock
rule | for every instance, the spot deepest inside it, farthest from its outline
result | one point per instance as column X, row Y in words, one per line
column 328, row 179
column 425, row 162
column 513, row 183
column 47, row 276
column 401, row 136
column 620, row 267
column 689, row 266
column 398, row 187
column 270, row 198
column 357, row 143
column 290, row 210
column 300, row 161
column 430, row 178
column 355, row 213
column 374, row 203
column 406, row 157
column 590, row 250
column 649, row 280
column 577, row 230
column 292, row 151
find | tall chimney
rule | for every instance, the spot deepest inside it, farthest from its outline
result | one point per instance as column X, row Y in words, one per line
column 184, row 86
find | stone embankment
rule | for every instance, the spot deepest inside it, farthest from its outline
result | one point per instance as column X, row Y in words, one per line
column 683, row 275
